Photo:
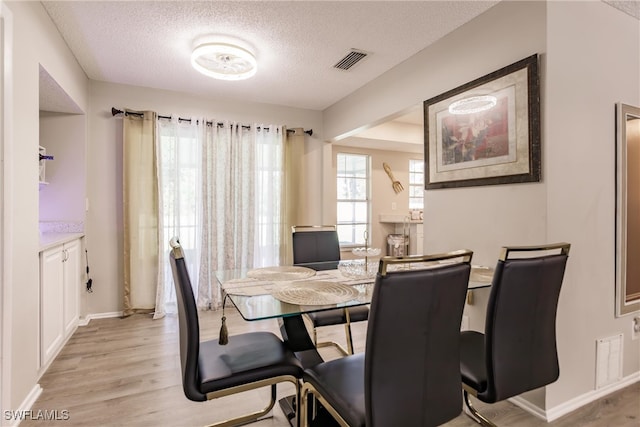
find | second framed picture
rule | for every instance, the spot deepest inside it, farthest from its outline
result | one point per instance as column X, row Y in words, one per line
column 485, row 132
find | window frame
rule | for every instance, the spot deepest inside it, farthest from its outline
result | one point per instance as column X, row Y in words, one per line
column 355, row 242
column 413, row 184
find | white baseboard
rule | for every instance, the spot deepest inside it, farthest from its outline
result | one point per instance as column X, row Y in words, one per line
column 593, row 395
column 524, row 404
column 24, row 408
column 575, row 403
column 84, row 321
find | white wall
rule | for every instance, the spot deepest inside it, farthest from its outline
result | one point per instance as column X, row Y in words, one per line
column 36, row 41
column 64, row 137
column 6, row 41
column 104, row 219
column 593, row 61
column 589, row 61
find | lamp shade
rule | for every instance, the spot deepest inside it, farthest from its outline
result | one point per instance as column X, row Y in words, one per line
column 224, row 61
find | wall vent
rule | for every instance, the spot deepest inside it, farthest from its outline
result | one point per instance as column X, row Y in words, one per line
column 608, row 360
column 350, row 59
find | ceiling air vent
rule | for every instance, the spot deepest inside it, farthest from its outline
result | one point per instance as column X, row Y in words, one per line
column 350, row 59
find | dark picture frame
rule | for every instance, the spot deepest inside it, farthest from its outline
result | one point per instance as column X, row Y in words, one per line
column 485, row 132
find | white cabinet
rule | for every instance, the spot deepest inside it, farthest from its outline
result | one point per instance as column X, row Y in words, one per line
column 60, row 279
column 51, row 301
column 72, row 283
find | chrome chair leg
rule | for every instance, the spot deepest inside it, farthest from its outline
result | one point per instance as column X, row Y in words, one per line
column 474, row 414
column 252, row 417
column 257, row 415
column 303, row 408
column 341, row 349
column 308, row 392
column 347, row 333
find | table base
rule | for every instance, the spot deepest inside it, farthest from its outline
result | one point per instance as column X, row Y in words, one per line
column 288, row 406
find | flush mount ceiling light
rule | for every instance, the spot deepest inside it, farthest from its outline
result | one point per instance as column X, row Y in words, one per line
column 224, row 61
column 474, row 104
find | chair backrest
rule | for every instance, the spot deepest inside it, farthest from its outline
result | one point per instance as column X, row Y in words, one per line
column 412, row 355
column 315, row 244
column 187, row 323
column 520, row 328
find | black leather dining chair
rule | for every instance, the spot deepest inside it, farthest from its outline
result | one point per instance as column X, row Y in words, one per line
column 517, row 351
column 409, row 373
column 211, row 370
column 313, row 245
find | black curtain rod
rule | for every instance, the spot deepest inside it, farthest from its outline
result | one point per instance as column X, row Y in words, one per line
column 115, row 112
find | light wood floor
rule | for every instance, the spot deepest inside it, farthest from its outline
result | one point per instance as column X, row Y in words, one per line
column 125, row 372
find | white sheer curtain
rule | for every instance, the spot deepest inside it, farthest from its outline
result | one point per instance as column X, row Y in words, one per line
column 180, row 169
column 270, row 210
column 242, row 193
column 222, row 194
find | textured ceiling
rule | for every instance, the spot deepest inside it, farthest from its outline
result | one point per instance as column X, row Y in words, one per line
column 148, row 44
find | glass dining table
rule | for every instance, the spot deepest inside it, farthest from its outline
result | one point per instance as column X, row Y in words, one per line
column 286, row 293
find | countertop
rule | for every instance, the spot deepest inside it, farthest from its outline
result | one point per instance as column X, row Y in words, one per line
column 49, row 240
column 398, row 219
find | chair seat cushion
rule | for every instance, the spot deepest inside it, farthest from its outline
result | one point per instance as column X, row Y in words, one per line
column 472, row 360
column 341, row 383
column 246, row 358
column 337, row 317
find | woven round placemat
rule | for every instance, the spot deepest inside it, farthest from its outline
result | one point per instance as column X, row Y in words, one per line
column 281, row 273
column 315, row 292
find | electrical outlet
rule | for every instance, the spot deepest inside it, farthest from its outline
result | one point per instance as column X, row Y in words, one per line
column 635, row 328
column 393, row 206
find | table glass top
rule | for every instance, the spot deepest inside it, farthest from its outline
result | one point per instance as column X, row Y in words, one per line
column 258, row 297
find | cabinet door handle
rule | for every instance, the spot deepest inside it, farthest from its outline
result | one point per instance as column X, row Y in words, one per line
column 66, row 255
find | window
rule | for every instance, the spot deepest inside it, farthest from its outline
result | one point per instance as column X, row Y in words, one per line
column 354, row 204
column 416, row 184
column 221, row 193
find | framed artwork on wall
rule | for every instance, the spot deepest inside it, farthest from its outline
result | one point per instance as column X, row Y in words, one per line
column 486, row 131
column 627, row 209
